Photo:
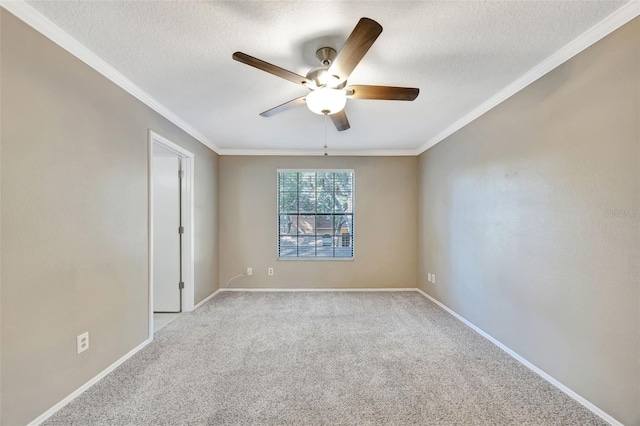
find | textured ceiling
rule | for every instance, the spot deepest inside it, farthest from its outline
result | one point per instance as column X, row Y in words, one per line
column 459, row 53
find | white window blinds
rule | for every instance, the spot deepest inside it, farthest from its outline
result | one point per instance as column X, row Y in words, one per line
column 315, row 214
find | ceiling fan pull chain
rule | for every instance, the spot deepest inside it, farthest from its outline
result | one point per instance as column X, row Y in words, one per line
column 325, row 134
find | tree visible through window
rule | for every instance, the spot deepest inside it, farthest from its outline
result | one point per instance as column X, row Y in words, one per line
column 315, row 213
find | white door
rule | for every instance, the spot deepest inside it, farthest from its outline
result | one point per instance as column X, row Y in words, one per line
column 166, row 239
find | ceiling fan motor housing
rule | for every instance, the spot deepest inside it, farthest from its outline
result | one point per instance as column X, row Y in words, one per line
column 319, row 75
column 321, row 78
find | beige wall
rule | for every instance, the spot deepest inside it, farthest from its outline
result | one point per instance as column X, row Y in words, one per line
column 511, row 215
column 74, row 220
column 514, row 222
column 385, row 224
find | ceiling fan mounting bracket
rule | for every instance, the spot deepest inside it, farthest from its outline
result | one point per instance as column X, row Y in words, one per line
column 326, row 55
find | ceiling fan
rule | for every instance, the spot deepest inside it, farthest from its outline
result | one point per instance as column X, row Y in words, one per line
column 328, row 83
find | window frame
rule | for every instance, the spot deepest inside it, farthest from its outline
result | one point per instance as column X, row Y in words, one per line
column 353, row 215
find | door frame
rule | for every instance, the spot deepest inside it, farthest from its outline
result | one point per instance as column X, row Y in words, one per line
column 188, row 258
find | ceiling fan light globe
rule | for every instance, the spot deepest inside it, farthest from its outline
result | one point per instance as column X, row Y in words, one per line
column 326, row 99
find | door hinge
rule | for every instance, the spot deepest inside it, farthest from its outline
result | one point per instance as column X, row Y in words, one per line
column 180, row 173
column 180, row 285
column 180, row 229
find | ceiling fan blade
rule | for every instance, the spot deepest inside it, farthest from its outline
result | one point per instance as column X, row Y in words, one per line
column 270, row 68
column 340, row 120
column 357, row 45
column 383, row 92
column 284, row 107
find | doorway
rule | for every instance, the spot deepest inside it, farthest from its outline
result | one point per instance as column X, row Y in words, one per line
column 170, row 231
column 167, row 235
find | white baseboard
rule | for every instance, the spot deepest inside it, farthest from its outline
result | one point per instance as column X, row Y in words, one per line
column 51, row 411
column 315, row 289
column 206, row 299
column 597, row 411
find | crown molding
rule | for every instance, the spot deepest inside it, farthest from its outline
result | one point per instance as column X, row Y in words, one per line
column 43, row 25
column 320, row 152
column 594, row 34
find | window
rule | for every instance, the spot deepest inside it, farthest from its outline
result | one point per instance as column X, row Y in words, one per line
column 315, row 214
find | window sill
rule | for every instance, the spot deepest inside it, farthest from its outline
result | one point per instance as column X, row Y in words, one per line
column 322, row 259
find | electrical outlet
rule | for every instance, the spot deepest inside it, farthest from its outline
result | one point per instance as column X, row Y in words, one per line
column 433, row 278
column 82, row 342
column 270, row 271
column 249, row 271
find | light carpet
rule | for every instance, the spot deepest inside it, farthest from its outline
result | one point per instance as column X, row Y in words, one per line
column 321, row 358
